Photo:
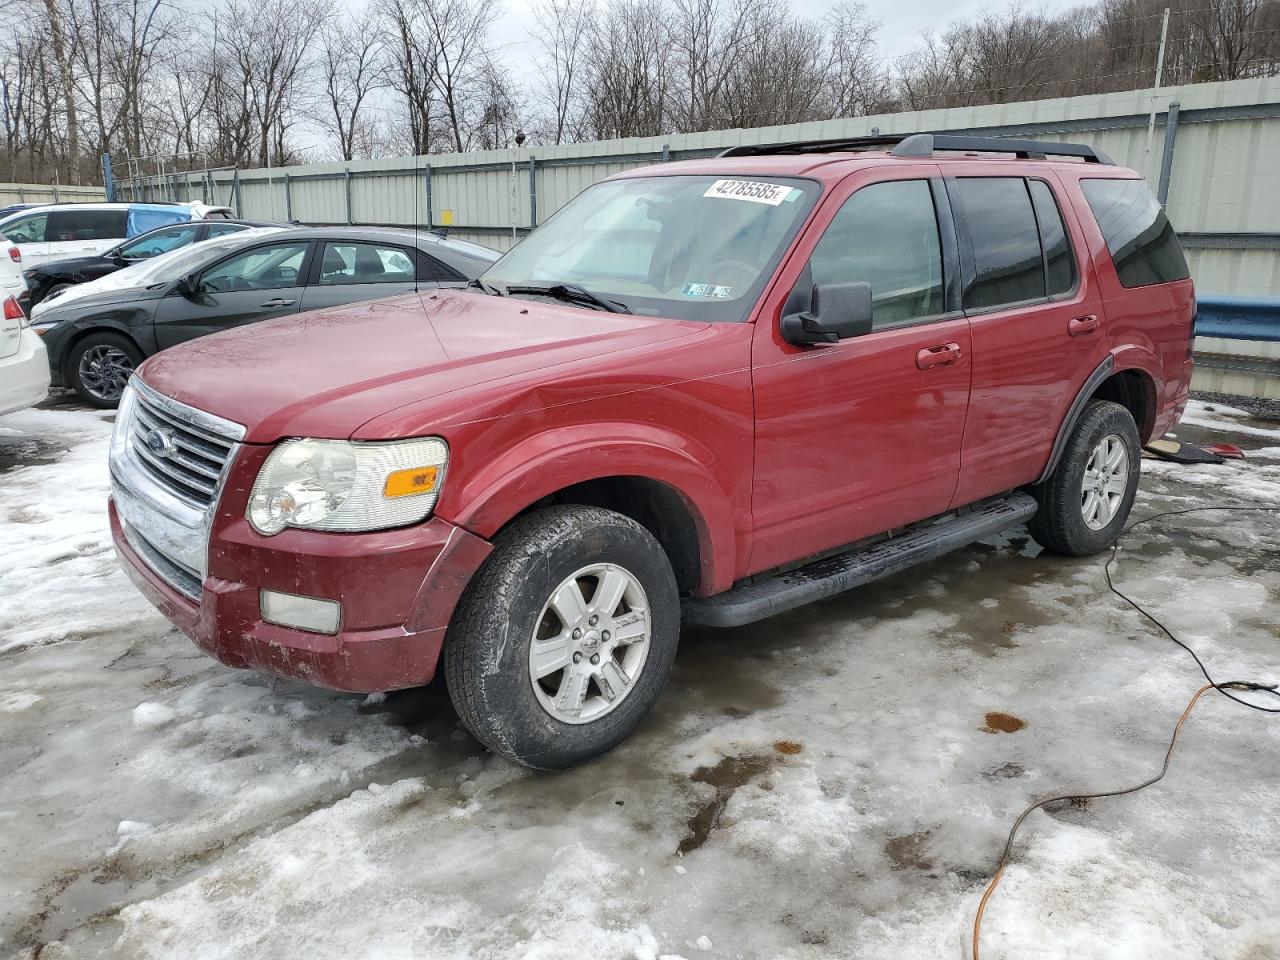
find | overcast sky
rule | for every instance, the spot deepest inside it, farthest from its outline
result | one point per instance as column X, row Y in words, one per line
column 902, row 21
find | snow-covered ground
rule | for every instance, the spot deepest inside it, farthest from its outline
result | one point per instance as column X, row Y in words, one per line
column 825, row 784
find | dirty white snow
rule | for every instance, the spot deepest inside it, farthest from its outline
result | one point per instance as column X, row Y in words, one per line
column 832, row 783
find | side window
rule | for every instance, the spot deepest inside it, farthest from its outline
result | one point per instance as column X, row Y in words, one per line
column 262, row 268
column 221, row 229
column 1059, row 263
column 161, row 241
column 1005, row 239
column 887, row 235
column 28, row 230
column 1143, row 245
column 86, row 225
column 364, row 263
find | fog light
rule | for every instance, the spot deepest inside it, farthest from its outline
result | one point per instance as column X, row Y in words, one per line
column 301, row 613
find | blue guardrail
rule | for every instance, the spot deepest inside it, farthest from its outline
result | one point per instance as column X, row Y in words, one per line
column 1238, row 318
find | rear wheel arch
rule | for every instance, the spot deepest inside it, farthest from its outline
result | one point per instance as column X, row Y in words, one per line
column 1135, row 390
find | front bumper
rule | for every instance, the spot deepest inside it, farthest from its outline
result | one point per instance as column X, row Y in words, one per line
column 398, row 590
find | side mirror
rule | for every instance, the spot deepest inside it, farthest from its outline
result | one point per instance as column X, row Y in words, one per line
column 836, row 311
column 189, row 285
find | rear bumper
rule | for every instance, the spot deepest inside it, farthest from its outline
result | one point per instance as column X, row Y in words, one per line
column 24, row 376
column 397, row 589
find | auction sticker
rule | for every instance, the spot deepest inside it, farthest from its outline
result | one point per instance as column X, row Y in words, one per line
column 754, row 190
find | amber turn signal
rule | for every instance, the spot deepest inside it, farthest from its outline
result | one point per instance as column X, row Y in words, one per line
column 407, row 483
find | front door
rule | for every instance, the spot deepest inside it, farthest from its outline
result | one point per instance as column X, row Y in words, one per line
column 262, row 282
column 862, row 436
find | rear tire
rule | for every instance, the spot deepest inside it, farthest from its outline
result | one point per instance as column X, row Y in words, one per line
column 533, row 676
column 99, row 366
column 1084, row 503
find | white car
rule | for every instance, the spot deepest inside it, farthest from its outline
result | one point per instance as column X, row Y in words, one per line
column 62, row 230
column 24, row 365
column 11, row 280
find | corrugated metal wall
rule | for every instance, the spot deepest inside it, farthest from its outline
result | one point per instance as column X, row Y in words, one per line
column 48, row 193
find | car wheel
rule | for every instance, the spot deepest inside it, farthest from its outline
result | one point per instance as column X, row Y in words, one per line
column 56, row 290
column 1084, row 503
column 564, row 638
column 100, row 365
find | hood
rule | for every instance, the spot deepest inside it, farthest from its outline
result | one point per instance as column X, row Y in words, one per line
column 70, row 265
column 326, row 373
column 80, row 300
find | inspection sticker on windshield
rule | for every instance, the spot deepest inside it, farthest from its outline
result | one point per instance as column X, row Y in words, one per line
column 753, row 190
column 706, row 290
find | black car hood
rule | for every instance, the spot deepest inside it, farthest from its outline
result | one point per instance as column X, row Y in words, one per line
column 63, row 268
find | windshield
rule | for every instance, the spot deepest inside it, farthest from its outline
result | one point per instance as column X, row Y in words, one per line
column 689, row 248
column 165, row 268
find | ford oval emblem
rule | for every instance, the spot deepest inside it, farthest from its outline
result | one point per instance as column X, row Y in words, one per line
column 160, row 442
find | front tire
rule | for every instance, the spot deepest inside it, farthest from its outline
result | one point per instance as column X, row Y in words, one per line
column 564, row 638
column 1084, row 503
column 100, row 365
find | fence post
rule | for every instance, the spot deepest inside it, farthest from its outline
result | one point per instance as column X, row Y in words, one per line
column 666, row 152
column 426, row 176
column 1166, row 160
column 288, row 199
column 235, row 192
column 348, row 185
column 533, row 192
column 108, row 182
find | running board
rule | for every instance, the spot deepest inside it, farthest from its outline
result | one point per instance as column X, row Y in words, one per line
column 835, row 574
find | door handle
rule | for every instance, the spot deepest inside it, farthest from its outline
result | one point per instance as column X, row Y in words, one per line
column 1079, row 326
column 279, row 302
column 941, row 355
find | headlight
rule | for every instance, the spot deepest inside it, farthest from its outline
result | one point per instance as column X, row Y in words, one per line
column 123, row 423
column 343, row 486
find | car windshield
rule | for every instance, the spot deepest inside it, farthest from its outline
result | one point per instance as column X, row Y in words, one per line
column 684, row 247
column 165, row 268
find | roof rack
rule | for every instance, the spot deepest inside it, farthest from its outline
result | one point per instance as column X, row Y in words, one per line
column 924, row 145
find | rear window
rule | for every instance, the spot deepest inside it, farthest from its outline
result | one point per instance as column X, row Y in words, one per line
column 1143, row 245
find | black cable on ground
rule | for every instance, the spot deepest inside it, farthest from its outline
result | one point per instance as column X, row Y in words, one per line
column 1211, row 684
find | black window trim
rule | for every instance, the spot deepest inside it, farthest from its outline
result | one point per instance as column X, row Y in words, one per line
column 969, row 265
column 1074, row 289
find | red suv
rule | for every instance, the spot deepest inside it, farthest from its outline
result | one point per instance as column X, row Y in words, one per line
column 711, row 390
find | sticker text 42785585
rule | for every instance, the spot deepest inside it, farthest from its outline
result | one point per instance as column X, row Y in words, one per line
column 755, row 191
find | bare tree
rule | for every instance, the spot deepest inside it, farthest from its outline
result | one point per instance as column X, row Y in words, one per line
column 351, row 66
column 562, row 32
column 628, row 70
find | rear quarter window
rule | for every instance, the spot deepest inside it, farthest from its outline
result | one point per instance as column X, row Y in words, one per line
column 1141, row 240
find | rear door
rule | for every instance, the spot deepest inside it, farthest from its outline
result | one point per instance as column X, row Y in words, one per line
column 262, row 282
column 1036, row 320
column 858, row 437
column 352, row 270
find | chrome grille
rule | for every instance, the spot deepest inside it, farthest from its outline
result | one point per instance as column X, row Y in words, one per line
column 166, row 491
column 192, row 459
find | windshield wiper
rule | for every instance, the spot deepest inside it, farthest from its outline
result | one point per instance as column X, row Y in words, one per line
column 488, row 288
column 571, row 293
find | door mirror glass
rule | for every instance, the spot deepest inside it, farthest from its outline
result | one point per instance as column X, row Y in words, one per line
column 836, row 311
